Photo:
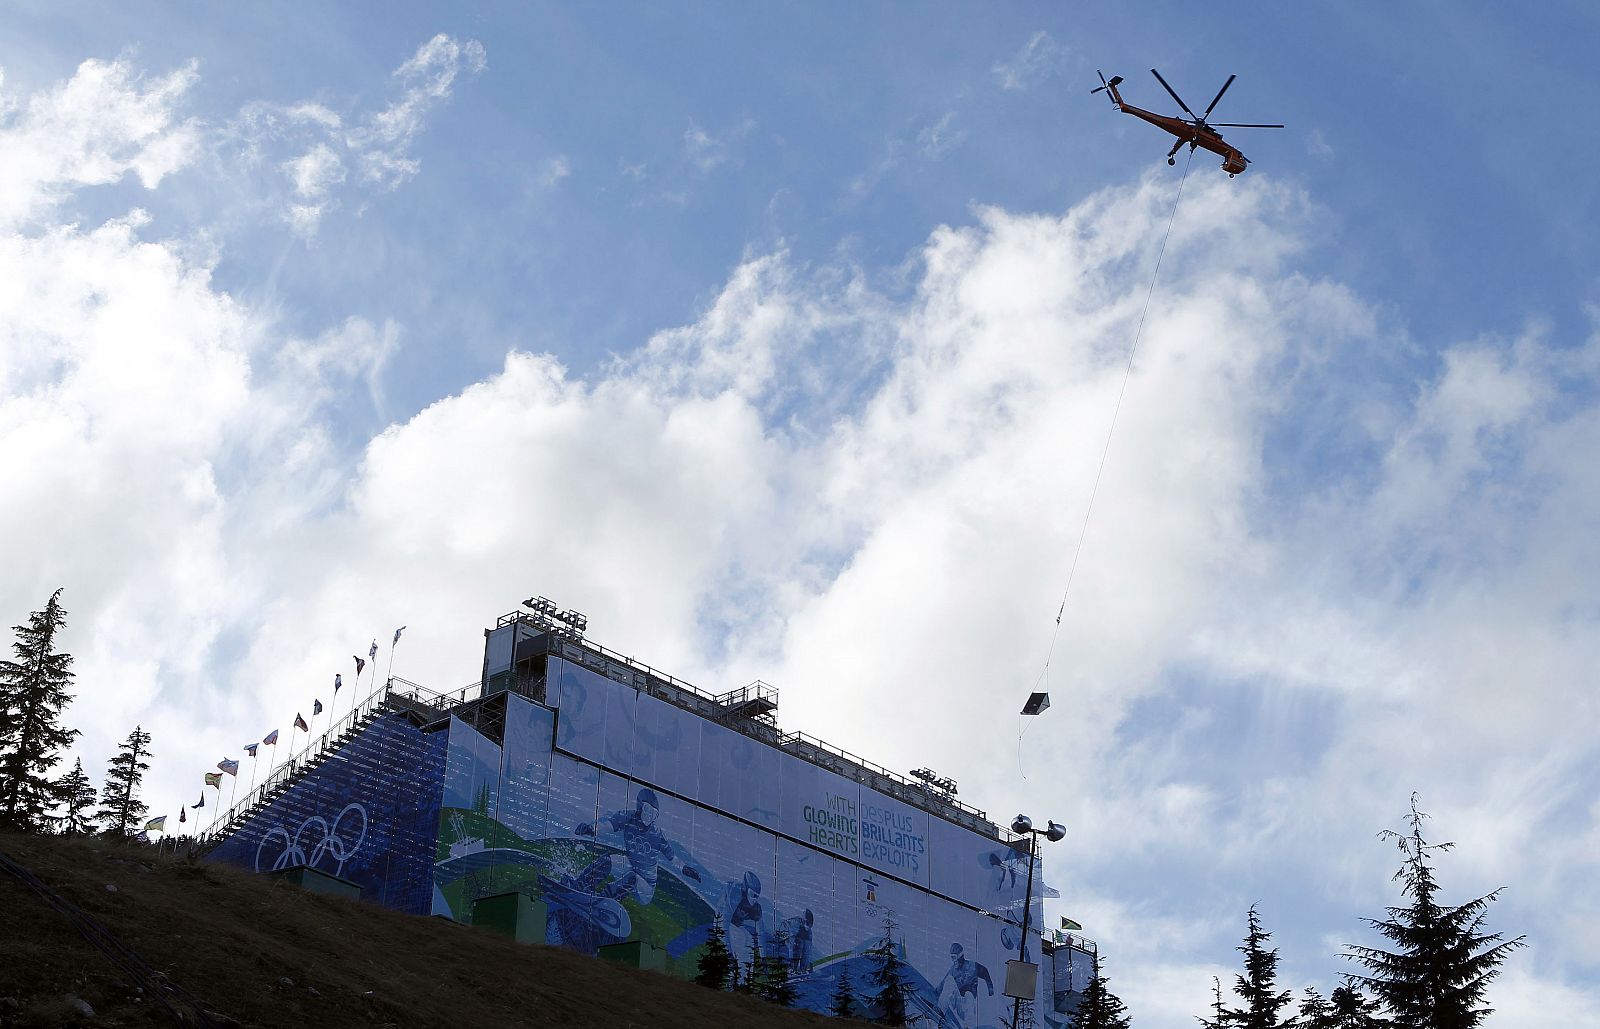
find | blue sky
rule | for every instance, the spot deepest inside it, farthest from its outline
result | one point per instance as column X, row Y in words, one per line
column 783, row 340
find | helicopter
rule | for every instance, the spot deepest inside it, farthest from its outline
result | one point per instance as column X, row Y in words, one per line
column 1194, row 130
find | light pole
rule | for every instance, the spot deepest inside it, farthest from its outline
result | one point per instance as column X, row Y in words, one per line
column 1022, row 825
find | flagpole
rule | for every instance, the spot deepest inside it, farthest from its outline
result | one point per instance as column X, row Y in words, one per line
column 388, row 678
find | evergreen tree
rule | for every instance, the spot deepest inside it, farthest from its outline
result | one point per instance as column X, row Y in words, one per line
column 716, row 967
column 77, row 797
column 1315, row 1011
column 33, row 691
column 888, row 979
column 844, row 997
column 1221, row 1017
column 1443, row 963
column 1348, row 1009
column 773, row 983
column 1099, row 1008
column 1258, row 986
column 751, row 981
column 121, row 811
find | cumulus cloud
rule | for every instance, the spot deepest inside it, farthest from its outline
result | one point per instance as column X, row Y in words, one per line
column 872, row 501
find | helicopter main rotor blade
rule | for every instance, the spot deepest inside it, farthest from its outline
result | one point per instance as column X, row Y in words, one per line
column 1174, row 93
column 1240, row 125
column 1221, row 91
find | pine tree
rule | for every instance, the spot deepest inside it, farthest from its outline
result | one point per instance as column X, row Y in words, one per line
column 716, row 961
column 1315, row 1012
column 888, row 977
column 1257, row 987
column 33, row 691
column 1348, row 1009
column 844, row 997
column 1099, row 1008
column 754, row 979
column 773, row 983
column 121, row 811
column 77, row 797
column 1221, row 1017
column 1444, row 962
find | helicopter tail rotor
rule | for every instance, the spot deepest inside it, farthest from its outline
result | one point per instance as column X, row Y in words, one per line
column 1109, row 88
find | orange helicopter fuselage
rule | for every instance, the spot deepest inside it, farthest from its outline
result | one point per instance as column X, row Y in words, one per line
column 1233, row 160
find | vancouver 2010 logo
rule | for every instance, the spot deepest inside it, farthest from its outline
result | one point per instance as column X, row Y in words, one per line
column 316, row 839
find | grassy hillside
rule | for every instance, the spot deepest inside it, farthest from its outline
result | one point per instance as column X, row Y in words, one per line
column 260, row 952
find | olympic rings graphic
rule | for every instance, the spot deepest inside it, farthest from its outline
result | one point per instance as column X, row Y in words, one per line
column 330, row 841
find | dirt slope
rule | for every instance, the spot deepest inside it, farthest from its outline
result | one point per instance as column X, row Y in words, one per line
column 260, row 952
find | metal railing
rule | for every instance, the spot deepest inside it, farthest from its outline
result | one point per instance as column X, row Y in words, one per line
column 664, row 686
column 299, row 762
column 397, row 692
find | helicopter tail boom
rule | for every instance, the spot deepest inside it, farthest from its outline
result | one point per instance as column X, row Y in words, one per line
column 1110, row 88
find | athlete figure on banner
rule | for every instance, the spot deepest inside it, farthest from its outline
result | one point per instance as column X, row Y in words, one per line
column 797, row 935
column 958, row 990
column 644, row 847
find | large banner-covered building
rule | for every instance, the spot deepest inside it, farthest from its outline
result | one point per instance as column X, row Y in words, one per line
column 638, row 809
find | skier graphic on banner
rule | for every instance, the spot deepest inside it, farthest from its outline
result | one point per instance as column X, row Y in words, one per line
column 958, row 990
column 644, row 847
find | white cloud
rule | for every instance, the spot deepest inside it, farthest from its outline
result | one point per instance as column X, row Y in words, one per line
column 315, row 148
column 705, row 151
column 383, row 142
column 93, row 129
column 872, row 502
column 555, row 169
column 941, row 137
column 1040, row 57
column 314, row 175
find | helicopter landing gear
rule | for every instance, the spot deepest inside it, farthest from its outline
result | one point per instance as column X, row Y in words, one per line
column 1172, row 160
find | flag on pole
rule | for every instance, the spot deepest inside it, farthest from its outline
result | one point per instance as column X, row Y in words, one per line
column 202, row 800
column 1070, row 925
column 183, row 814
column 271, row 738
column 300, row 723
column 360, row 664
column 338, row 681
column 229, row 766
column 316, row 708
column 250, row 748
column 372, row 652
column 156, row 824
column 213, row 779
column 397, row 633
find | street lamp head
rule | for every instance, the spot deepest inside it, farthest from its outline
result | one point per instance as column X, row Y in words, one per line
column 1022, row 824
column 1056, row 833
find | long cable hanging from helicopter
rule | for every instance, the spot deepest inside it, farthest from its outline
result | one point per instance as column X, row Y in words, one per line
column 1197, row 133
